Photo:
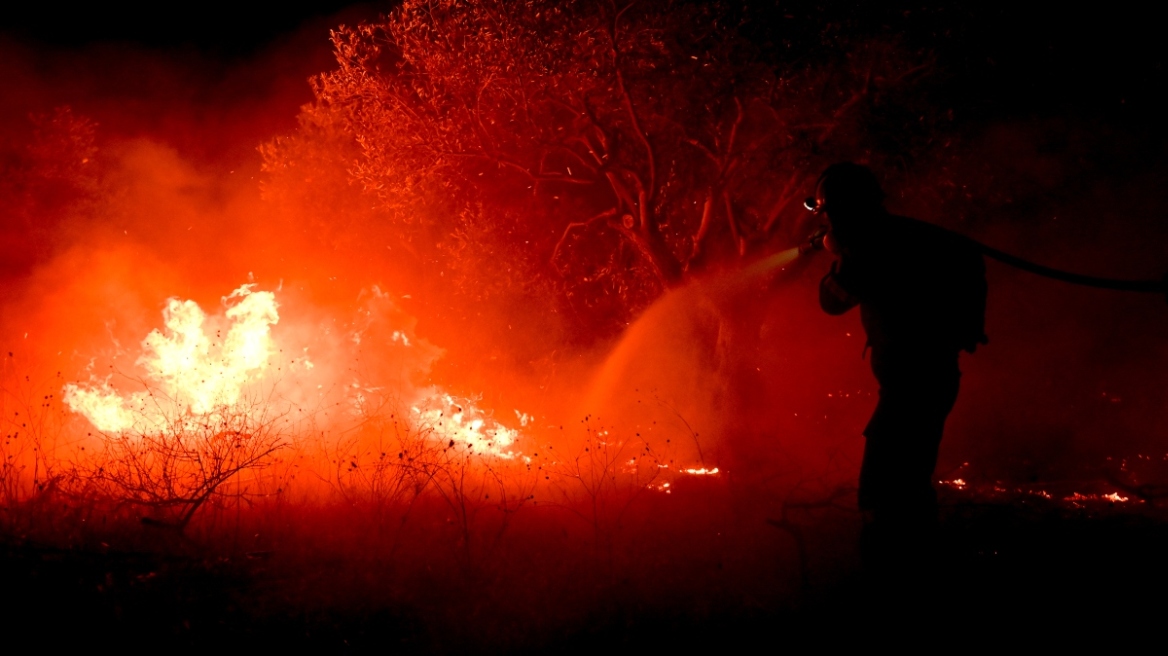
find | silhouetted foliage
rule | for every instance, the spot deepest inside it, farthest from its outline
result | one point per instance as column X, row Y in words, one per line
column 606, row 150
column 171, row 471
column 41, row 177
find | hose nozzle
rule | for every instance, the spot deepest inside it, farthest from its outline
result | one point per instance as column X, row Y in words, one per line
column 814, row 241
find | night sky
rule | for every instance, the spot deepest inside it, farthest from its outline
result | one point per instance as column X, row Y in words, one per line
column 1004, row 58
column 994, row 60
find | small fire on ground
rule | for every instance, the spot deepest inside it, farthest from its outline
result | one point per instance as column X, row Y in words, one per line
column 229, row 370
column 1074, row 498
column 211, row 369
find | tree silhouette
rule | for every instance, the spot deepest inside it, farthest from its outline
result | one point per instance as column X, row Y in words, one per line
column 615, row 147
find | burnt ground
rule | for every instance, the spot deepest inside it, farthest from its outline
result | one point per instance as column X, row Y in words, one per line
column 997, row 575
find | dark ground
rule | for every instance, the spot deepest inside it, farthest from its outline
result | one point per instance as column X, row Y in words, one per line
column 1000, row 574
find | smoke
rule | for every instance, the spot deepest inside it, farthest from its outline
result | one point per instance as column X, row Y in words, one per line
column 131, row 177
column 135, row 177
column 168, row 205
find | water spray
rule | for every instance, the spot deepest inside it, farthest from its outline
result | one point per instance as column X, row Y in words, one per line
column 772, row 262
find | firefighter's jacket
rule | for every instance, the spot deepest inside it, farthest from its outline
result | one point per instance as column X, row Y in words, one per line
column 921, row 289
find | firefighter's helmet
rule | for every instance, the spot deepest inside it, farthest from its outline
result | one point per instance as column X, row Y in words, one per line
column 846, row 185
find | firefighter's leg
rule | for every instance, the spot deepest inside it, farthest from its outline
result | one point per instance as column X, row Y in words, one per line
column 896, row 477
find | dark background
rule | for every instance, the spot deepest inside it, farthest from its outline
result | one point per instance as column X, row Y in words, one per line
column 224, row 29
column 1004, row 58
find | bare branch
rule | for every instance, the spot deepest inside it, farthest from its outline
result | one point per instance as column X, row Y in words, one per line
column 704, row 227
column 627, row 103
column 735, row 232
column 607, row 214
column 785, row 197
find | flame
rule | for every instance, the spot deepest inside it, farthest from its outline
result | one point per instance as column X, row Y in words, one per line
column 189, row 370
column 1074, row 498
column 189, row 375
column 186, row 372
column 460, row 422
column 1113, row 497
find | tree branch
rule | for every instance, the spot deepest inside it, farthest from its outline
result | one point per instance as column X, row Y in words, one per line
column 627, row 103
column 704, row 226
column 785, row 197
column 739, row 241
column 607, row 214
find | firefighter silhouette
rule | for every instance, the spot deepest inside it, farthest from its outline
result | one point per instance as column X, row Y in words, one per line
column 921, row 292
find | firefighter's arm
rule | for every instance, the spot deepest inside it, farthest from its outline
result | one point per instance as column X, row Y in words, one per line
column 834, row 296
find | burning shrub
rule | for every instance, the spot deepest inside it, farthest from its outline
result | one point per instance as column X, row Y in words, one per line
column 171, row 446
column 174, row 470
column 213, row 402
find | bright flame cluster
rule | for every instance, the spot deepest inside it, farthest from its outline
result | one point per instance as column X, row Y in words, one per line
column 461, row 423
column 200, row 367
column 187, row 372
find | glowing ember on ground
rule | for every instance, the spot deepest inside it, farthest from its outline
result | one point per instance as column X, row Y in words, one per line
column 1113, row 497
column 1073, row 498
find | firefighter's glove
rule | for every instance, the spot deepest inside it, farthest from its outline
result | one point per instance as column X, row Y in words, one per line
column 832, row 244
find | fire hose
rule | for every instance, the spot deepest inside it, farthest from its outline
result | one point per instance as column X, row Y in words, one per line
column 814, row 242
